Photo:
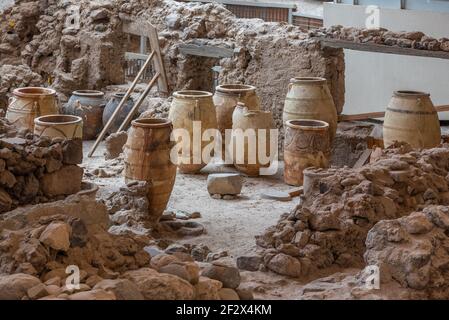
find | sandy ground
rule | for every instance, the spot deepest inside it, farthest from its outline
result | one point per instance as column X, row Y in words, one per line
column 231, row 224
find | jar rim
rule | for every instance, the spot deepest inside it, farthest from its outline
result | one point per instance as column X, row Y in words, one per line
column 307, row 124
column 192, row 94
column 151, row 122
column 88, row 93
column 411, row 93
column 31, row 92
column 308, row 80
column 57, row 119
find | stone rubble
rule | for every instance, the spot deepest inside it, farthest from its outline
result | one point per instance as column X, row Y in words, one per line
column 330, row 227
column 38, row 243
column 36, row 169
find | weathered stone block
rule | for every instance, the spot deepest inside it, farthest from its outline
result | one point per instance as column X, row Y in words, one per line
column 63, row 182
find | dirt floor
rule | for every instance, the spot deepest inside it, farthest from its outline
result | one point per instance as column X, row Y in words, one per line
column 231, row 224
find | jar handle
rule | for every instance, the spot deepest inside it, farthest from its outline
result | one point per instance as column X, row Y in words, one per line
column 11, row 100
column 290, row 85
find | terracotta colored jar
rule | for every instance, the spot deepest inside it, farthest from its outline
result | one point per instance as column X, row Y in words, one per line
column 246, row 153
column 188, row 109
column 411, row 117
column 63, row 126
column 147, row 158
column 306, row 145
column 226, row 98
column 310, row 98
column 29, row 103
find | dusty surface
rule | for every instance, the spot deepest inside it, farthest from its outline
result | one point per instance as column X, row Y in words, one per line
column 231, row 224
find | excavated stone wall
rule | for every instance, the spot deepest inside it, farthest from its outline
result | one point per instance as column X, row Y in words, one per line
column 36, row 169
column 331, row 225
column 38, row 34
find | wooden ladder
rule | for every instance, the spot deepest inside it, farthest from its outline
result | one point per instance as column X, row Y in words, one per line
column 143, row 29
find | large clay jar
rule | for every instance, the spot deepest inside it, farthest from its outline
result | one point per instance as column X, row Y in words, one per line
column 246, row 152
column 147, row 158
column 124, row 111
column 29, row 103
column 89, row 105
column 310, row 98
column 306, row 145
column 62, row 126
column 226, row 98
column 412, row 118
column 191, row 108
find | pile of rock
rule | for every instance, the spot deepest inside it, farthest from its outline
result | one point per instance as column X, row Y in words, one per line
column 42, row 248
column 36, row 169
column 331, row 225
column 413, row 251
column 415, row 40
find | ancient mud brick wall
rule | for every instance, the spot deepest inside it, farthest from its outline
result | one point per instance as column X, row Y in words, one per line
column 267, row 55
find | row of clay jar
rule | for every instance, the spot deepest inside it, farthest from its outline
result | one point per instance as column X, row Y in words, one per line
column 26, row 104
column 310, row 119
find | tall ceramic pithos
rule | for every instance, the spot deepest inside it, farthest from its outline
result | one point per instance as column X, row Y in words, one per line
column 411, row 117
column 147, row 158
column 89, row 105
column 194, row 113
column 306, row 145
column 247, row 140
column 226, row 98
column 27, row 104
column 310, row 98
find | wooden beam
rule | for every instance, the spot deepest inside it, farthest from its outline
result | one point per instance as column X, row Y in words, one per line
column 380, row 48
column 206, row 51
column 374, row 115
column 135, row 56
column 119, row 107
column 363, row 159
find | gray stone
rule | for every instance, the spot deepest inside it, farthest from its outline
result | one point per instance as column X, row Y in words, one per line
column 249, row 263
column 224, row 184
column 229, row 276
column 153, row 251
